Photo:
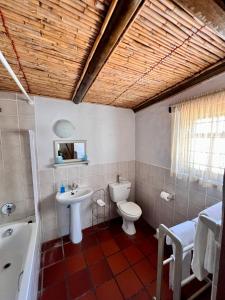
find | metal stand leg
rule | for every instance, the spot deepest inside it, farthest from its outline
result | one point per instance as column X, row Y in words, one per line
column 163, row 231
column 160, row 264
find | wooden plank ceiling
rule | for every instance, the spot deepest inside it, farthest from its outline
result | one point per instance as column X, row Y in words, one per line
column 47, row 43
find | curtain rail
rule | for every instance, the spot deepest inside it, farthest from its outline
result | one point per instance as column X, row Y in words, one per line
column 172, row 106
column 14, row 77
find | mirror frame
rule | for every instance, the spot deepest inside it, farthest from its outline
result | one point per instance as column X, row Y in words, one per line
column 57, row 142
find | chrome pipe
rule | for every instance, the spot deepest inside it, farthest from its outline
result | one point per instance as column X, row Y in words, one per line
column 14, row 77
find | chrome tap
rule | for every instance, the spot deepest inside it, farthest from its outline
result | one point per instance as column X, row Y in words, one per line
column 74, row 186
column 8, row 208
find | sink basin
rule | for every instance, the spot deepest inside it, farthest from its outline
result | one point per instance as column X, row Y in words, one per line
column 74, row 198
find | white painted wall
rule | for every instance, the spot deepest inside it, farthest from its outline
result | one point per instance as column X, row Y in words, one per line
column 110, row 135
column 109, row 131
column 153, row 135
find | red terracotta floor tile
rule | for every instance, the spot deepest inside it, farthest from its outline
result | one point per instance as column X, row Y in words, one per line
column 138, row 236
column 104, row 235
column 145, row 271
column 153, row 259
column 154, row 242
column 109, row 247
column 133, row 254
column 79, row 283
column 53, row 274
column 72, row 249
column 123, row 241
column 89, row 231
column 54, row 292
column 93, row 254
column 90, row 295
column 116, row 228
column 100, row 272
column 52, row 256
column 145, row 246
column 129, row 283
column 151, row 289
column 142, row 295
column 117, row 263
column 89, row 241
column 97, row 281
column 108, row 291
column 167, row 294
column 144, row 227
column 51, row 244
column 75, row 263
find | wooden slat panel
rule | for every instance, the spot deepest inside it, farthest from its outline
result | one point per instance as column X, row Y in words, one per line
column 53, row 39
column 164, row 46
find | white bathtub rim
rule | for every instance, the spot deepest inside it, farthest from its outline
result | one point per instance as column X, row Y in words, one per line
column 29, row 261
column 29, row 256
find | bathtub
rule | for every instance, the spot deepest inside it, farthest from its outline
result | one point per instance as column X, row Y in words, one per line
column 19, row 261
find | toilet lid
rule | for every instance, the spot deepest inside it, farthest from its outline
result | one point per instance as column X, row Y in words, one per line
column 130, row 208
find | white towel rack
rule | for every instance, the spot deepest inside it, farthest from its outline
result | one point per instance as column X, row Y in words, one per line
column 177, row 258
column 212, row 224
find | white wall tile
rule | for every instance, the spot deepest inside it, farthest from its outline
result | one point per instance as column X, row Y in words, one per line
column 8, row 108
column 15, row 164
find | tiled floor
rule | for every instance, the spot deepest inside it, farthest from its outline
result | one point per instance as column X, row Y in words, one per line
column 106, row 265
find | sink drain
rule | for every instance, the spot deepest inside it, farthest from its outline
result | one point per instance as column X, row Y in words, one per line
column 6, row 266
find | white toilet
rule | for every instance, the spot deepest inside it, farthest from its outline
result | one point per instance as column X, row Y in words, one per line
column 130, row 211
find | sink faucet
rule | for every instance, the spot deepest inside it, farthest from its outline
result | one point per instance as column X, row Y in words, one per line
column 74, row 186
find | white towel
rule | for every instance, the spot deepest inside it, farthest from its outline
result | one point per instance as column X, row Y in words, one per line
column 204, row 243
column 214, row 211
column 185, row 232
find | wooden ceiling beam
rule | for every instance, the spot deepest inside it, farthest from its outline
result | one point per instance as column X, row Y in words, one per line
column 210, row 12
column 119, row 17
column 208, row 73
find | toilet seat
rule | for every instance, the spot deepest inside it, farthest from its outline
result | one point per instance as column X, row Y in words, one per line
column 130, row 209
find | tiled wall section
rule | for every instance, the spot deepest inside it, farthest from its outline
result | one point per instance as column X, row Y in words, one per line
column 15, row 164
column 190, row 197
column 55, row 217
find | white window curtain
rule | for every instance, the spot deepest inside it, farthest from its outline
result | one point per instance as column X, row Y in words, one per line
column 198, row 139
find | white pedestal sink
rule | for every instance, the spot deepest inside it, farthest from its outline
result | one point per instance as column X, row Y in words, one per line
column 74, row 198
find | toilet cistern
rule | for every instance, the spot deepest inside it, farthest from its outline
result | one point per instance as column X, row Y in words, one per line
column 129, row 211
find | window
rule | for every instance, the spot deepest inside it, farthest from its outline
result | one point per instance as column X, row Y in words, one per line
column 198, row 143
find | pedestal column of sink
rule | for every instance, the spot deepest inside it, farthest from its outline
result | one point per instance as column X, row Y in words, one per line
column 75, row 223
column 73, row 198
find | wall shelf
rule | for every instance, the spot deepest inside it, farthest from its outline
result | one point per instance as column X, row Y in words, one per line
column 71, row 164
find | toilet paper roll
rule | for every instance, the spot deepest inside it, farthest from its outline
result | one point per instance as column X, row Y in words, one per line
column 166, row 196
